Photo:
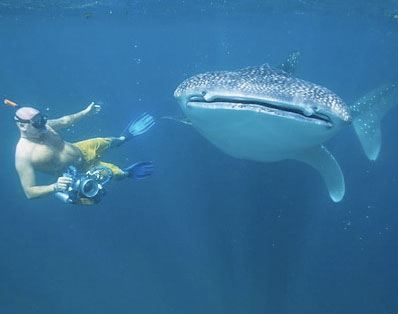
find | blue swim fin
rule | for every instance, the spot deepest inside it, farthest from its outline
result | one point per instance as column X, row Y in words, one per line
column 140, row 170
column 138, row 126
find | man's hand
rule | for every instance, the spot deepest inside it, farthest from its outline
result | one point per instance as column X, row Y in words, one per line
column 93, row 108
column 62, row 184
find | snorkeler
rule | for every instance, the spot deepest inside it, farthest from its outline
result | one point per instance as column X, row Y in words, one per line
column 40, row 148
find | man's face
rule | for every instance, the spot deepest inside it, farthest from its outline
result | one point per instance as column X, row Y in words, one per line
column 30, row 131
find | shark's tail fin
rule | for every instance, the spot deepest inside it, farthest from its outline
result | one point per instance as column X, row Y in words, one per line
column 368, row 112
column 369, row 134
column 291, row 62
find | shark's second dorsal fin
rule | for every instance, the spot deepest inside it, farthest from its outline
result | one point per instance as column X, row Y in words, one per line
column 323, row 161
column 290, row 64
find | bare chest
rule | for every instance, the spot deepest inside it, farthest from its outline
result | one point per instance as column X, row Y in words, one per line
column 52, row 154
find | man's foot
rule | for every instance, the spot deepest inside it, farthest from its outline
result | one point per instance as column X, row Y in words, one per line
column 138, row 126
column 117, row 141
column 140, row 170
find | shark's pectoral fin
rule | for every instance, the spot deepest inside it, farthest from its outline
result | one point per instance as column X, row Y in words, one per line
column 368, row 131
column 323, row 161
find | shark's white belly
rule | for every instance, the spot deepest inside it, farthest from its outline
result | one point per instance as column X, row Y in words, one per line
column 257, row 136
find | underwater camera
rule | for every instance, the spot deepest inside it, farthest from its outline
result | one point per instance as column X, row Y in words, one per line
column 85, row 189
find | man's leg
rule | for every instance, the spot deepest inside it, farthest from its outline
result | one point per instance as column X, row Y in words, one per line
column 117, row 173
column 94, row 148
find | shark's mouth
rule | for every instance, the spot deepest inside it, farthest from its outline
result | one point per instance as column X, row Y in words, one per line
column 280, row 109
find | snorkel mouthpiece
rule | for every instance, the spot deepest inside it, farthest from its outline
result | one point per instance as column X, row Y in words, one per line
column 39, row 121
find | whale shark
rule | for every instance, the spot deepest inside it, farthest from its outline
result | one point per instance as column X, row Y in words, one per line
column 266, row 114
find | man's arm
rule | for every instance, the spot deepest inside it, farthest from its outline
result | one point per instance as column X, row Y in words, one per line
column 28, row 180
column 67, row 121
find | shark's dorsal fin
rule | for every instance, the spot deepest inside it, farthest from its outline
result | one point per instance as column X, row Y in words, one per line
column 323, row 161
column 290, row 64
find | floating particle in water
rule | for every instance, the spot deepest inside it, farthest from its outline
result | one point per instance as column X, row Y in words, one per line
column 137, row 60
column 346, row 224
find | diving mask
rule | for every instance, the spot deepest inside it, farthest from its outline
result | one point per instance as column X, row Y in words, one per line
column 38, row 121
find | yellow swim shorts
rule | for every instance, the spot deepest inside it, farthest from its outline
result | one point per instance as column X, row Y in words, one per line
column 92, row 151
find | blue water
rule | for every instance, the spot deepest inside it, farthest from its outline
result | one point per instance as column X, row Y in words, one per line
column 207, row 233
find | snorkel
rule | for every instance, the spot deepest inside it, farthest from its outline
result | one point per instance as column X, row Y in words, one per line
column 11, row 103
